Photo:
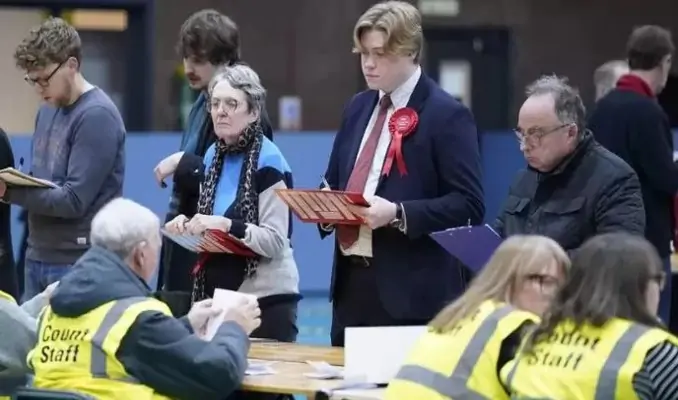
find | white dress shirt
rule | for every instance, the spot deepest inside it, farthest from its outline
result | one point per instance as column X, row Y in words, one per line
column 399, row 99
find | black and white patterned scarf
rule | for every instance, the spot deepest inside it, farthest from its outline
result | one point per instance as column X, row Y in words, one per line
column 247, row 197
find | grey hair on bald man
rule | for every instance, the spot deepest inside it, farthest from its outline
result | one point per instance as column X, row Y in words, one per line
column 241, row 77
column 569, row 107
column 121, row 225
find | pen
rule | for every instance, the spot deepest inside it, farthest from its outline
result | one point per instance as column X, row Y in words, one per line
column 325, row 183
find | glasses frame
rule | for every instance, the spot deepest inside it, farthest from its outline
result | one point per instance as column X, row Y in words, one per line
column 534, row 139
column 44, row 83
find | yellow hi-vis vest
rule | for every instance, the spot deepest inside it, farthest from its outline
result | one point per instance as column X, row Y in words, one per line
column 9, row 298
column 587, row 363
column 462, row 363
column 78, row 354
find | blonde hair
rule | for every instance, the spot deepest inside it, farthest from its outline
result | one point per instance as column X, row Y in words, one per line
column 518, row 257
column 400, row 22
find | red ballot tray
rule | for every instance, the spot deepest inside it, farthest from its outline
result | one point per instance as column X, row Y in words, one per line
column 212, row 241
column 324, row 206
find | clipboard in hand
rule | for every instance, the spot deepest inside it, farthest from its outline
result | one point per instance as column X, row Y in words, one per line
column 472, row 245
column 14, row 177
column 211, row 241
column 324, row 206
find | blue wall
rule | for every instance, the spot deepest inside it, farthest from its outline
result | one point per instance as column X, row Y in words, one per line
column 307, row 153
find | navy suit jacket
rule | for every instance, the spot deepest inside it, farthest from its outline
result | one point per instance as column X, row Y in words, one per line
column 441, row 190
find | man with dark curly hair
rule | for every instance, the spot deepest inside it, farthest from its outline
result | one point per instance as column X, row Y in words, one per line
column 78, row 144
column 208, row 39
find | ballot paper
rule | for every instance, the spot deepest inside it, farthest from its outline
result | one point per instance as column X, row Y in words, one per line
column 259, row 367
column 224, row 299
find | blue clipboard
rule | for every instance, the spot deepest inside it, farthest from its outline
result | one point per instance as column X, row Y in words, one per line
column 472, row 245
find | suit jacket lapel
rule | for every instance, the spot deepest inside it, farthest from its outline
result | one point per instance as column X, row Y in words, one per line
column 359, row 132
column 416, row 102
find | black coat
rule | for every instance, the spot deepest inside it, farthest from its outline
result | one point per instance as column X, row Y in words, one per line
column 8, row 278
column 635, row 128
column 589, row 193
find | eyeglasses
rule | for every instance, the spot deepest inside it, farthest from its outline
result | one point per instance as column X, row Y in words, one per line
column 43, row 82
column 546, row 283
column 533, row 136
column 228, row 104
column 660, row 279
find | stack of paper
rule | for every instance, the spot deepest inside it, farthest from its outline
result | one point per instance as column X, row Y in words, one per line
column 225, row 299
column 13, row 177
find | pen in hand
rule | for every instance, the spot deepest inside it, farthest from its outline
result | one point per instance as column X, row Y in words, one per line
column 325, row 184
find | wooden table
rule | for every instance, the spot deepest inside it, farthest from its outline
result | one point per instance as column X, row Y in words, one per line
column 362, row 394
column 289, row 379
column 294, row 352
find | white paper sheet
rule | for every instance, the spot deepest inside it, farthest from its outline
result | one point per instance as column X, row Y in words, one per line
column 375, row 354
column 224, row 299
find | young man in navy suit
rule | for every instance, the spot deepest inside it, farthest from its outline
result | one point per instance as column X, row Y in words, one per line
column 389, row 271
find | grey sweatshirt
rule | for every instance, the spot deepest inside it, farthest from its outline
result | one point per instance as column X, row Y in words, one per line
column 80, row 148
column 18, row 326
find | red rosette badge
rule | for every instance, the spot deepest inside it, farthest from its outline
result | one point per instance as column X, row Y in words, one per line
column 401, row 124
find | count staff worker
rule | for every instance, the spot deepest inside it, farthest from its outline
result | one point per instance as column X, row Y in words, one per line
column 601, row 338
column 472, row 338
column 105, row 336
column 18, row 327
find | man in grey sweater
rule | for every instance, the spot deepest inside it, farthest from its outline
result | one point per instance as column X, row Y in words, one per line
column 78, row 144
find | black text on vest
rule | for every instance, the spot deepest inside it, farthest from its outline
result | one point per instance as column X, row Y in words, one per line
column 563, row 350
column 61, row 345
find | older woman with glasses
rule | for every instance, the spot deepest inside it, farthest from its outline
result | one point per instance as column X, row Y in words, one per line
column 236, row 183
column 601, row 338
column 471, row 339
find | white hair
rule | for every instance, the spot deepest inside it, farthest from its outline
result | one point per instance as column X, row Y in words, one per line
column 241, row 77
column 122, row 224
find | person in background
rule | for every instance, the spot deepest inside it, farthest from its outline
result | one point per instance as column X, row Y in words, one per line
column 104, row 335
column 573, row 188
column 8, row 273
column 630, row 123
column 470, row 340
column 18, row 335
column 207, row 40
column 606, row 76
column 389, row 271
column 601, row 338
column 78, row 144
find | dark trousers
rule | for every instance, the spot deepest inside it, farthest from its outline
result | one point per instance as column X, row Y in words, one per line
column 278, row 322
column 356, row 300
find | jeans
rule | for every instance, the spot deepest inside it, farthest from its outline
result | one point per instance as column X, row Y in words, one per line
column 38, row 275
column 665, row 299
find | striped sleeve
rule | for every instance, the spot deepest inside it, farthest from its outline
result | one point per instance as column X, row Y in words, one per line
column 658, row 378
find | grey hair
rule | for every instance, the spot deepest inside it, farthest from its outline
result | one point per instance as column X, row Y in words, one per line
column 569, row 107
column 605, row 77
column 241, row 77
column 121, row 225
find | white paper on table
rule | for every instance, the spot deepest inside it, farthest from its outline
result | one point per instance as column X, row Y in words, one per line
column 375, row 354
column 224, row 299
column 259, row 367
column 323, row 370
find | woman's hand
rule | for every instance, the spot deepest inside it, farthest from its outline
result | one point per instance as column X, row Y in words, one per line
column 167, row 167
column 200, row 223
column 177, row 225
